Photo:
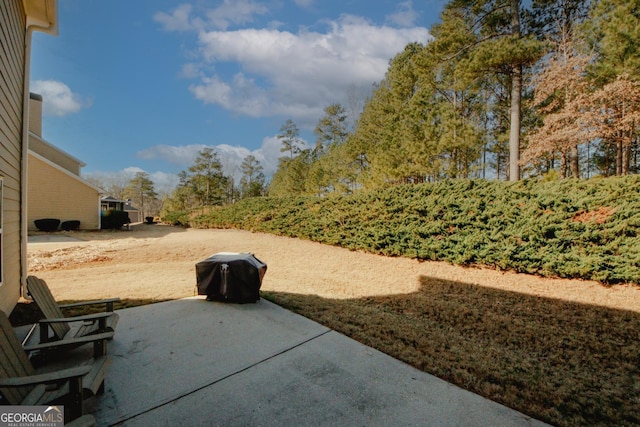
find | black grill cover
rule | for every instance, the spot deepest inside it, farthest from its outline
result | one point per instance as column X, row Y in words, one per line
column 233, row 277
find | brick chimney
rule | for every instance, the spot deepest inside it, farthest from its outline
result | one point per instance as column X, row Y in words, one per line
column 35, row 113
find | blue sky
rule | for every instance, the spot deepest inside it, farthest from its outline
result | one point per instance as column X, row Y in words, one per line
column 144, row 85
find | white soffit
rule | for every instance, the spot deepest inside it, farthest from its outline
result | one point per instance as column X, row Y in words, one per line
column 42, row 14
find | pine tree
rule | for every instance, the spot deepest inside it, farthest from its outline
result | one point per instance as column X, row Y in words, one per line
column 252, row 181
column 206, row 179
column 613, row 32
column 290, row 139
column 141, row 191
column 291, row 176
column 502, row 47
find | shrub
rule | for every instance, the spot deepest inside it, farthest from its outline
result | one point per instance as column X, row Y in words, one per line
column 47, row 224
column 586, row 229
column 70, row 225
column 114, row 219
column 176, row 218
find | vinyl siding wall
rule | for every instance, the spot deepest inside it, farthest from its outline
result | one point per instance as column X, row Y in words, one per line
column 12, row 52
column 54, row 193
column 55, row 155
column 43, row 148
column 35, row 114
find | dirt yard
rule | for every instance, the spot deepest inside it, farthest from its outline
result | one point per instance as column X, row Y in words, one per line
column 158, row 262
column 562, row 351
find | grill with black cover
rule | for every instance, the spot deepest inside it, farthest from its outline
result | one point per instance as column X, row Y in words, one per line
column 230, row 276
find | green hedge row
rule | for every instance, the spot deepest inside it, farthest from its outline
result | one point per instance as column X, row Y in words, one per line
column 570, row 228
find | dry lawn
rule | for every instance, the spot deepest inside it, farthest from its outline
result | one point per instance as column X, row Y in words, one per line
column 564, row 351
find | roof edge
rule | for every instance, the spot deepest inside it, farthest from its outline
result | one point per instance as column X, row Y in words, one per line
column 66, row 172
column 42, row 15
column 59, row 150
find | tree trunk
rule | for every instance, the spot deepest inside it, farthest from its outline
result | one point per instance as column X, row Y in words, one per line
column 619, row 150
column 563, row 164
column 514, row 131
column 575, row 162
column 516, row 93
column 626, row 158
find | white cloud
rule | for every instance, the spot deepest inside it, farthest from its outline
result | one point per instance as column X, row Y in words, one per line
column 270, row 72
column 230, row 156
column 305, row 4
column 191, row 71
column 178, row 20
column 132, row 171
column 405, row 15
column 297, row 75
column 231, row 159
column 212, row 90
column 228, row 13
column 163, row 183
column 57, row 98
column 268, row 155
column 236, row 12
column 182, row 155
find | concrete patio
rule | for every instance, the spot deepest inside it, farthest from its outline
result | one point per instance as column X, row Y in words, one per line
column 192, row 362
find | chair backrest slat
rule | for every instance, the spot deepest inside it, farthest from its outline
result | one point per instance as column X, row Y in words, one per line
column 41, row 294
column 13, row 362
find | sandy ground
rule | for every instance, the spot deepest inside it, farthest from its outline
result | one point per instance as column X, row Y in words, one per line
column 157, row 261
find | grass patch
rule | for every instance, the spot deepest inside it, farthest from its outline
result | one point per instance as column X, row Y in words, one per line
column 560, row 362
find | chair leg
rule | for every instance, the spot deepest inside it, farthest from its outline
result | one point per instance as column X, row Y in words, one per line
column 100, row 389
column 75, row 407
column 99, row 348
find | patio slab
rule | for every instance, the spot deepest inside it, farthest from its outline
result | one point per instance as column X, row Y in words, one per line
column 194, row 362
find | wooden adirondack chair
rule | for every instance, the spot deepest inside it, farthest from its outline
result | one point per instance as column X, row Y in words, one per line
column 55, row 326
column 21, row 384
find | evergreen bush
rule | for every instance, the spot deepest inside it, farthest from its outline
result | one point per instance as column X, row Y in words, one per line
column 566, row 228
column 47, row 224
column 113, row 219
column 70, row 225
column 176, row 218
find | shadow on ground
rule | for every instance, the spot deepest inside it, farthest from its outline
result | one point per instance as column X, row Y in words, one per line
column 27, row 312
column 138, row 230
column 561, row 362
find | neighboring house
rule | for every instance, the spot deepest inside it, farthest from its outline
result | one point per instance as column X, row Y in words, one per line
column 18, row 19
column 109, row 203
column 55, row 188
column 135, row 214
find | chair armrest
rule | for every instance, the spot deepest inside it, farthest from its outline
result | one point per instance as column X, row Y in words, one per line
column 48, row 377
column 72, row 342
column 108, row 301
column 84, row 318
